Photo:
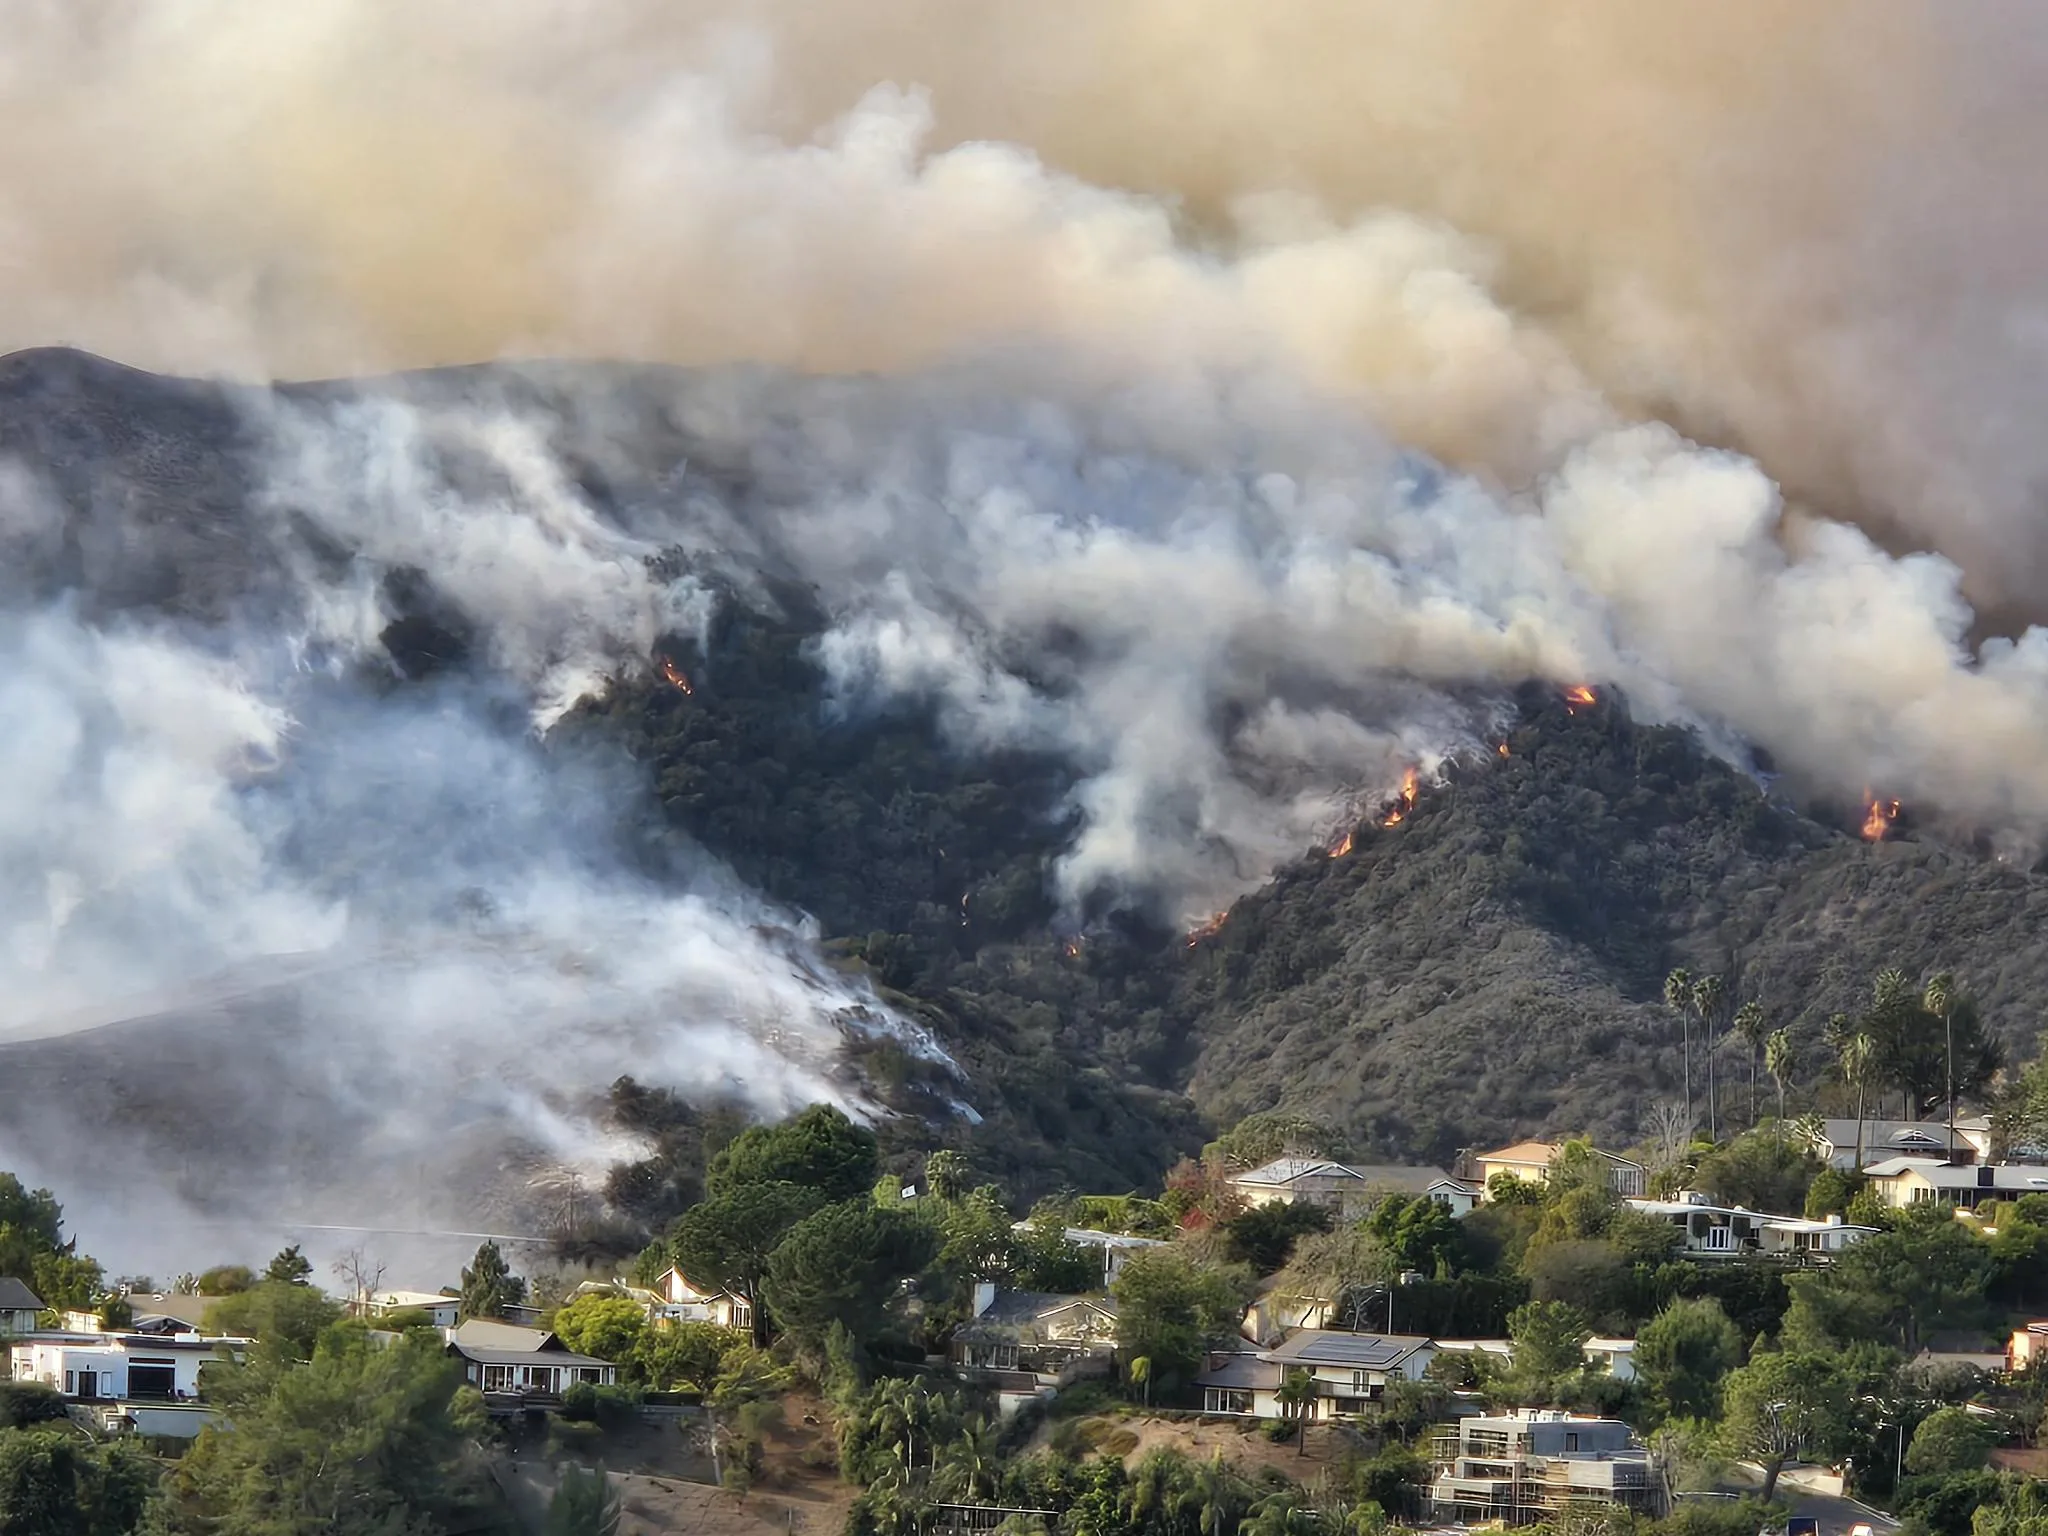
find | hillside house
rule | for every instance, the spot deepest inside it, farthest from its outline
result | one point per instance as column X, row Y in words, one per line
column 1835, row 1142
column 1530, row 1162
column 443, row 1310
column 1612, row 1357
column 1719, row 1231
column 1028, row 1344
column 144, row 1383
column 519, row 1368
column 1345, row 1190
column 1904, row 1181
column 2027, row 1347
column 19, row 1307
column 1350, row 1370
column 682, row 1300
column 1518, row 1468
column 189, row 1310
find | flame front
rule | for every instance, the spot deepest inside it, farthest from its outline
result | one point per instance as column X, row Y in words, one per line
column 1877, row 821
column 1502, row 750
column 675, row 677
column 1411, row 786
column 1208, row 929
column 1342, row 845
column 1579, row 697
column 1072, row 947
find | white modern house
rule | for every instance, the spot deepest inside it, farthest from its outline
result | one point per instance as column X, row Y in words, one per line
column 443, row 1310
column 1350, row 1371
column 141, row 1382
column 1724, row 1231
column 1517, row 1468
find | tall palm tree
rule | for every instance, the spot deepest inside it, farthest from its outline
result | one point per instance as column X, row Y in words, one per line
column 1297, row 1396
column 967, row 1472
column 1678, row 998
column 1280, row 1514
column 1778, row 1062
column 1708, row 994
column 1939, row 999
column 1859, row 1062
column 1754, row 1028
column 1213, row 1493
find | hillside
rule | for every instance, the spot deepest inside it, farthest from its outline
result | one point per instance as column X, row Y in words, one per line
column 1490, row 965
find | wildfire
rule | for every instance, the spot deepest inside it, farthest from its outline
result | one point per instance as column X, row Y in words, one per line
column 1072, row 947
column 1411, row 785
column 1579, row 697
column 675, row 677
column 1342, row 845
column 1879, row 818
column 1502, row 750
column 1208, row 929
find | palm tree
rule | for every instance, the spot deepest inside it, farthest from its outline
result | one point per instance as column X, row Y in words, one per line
column 1859, row 1061
column 1297, row 1397
column 1939, row 999
column 1754, row 1028
column 1778, row 1062
column 1280, row 1514
column 1213, row 1493
column 967, row 1473
column 1708, row 994
column 1678, row 998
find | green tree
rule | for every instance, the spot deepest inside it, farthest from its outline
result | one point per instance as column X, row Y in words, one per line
column 820, row 1149
column 1048, row 1261
column 1416, row 1232
column 225, row 1280
column 1549, row 1339
column 360, row 1441
column 54, row 1484
column 1893, row 1287
column 584, row 1504
column 724, row 1242
column 1170, row 1309
column 1297, row 1399
column 1767, row 1169
column 1783, row 1404
column 290, row 1267
column 946, row 1175
column 687, row 1355
column 1779, row 1060
column 1264, row 1236
column 1830, row 1193
column 1259, row 1138
column 1950, row 1440
column 1709, row 999
column 843, row 1264
column 287, row 1317
column 488, row 1284
column 1682, row 1355
column 607, row 1327
column 1281, row 1514
column 1678, row 998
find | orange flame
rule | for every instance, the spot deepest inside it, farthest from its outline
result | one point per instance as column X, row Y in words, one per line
column 1073, row 948
column 1502, row 749
column 1342, row 845
column 1878, row 820
column 1208, row 929
column 1411, row 786
column 674, row 674
column 1579, row 697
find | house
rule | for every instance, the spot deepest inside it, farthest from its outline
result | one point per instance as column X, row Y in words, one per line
column 19, row 1307
column 1274, row 1313
column 2027, row 1347
column 1346, row 1191
column 1522, row 1467
column 1612, row 1357
column 189, row 1310
column 1904, row 1181
column 146, row 1383
column 682, row 1300
column 1350, row 1371
column 1721, row 1231
column 518, row 1367
column 1029, row 1344
column 1530, row 1161
column 443, row 1310
column 1241, row 1383
column 1115, row 1247
column 1835, row 1142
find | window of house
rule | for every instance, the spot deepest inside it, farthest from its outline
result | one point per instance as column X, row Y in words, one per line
column 742, row 1315
column 1571, row 1441
column 1226, row 1400
column 70, row 1382
column 1720, row 1239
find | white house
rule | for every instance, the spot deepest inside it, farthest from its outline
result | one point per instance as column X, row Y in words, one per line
column 144, row 1383
column 522, row 1367
column 443, row 1310
column 1903, row 1181
column 1349, row 1372
column 1519, row 1467
column 19, row 1307
column 1722, row 1231
column 1347, row 1190
column 682, row 1300
column 1530, row 1162
column 1612, row 1357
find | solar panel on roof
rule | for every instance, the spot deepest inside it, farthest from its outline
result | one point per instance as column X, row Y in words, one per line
column 1349, row 1349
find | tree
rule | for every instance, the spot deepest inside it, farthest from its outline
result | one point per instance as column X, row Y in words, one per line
column 1048, row 1261
column 361, row 1276
column 1924, row 1054
column 1709, row 994
column 1549, row 1339
column 1949, row 1440
column 843, row 1264
column 291, row 1267
column 286, row 1316
column 225, row 1280
column 946, row 1175
column 608, row 1327
column 1767, row 1169
column 688, row 1355
column 1754, row 1027
column 1678, row 998
column 1780, row 1404
column 54, row 1484
column 724, row 1242
column 1170, row 1310
column 1778, row 1062
column 820, row 1149
column 1893, row 1287
column 1297, row 1399
column 1264, row 1236
column 584, row 1504
column 1683, row 1353
column 1259, row 1138
column 1416, row 1232
column 488, row 1285
column 1857, row 1056
column 360, row 1441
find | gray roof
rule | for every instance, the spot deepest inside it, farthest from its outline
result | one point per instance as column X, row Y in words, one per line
column 1244, row 1371
column 1362, row 1351
column 1018, row 1314
column 484, row 1356
column 2022, row 1179
column 479, row 1333
column 1895, row 1135
column 16, row 1297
